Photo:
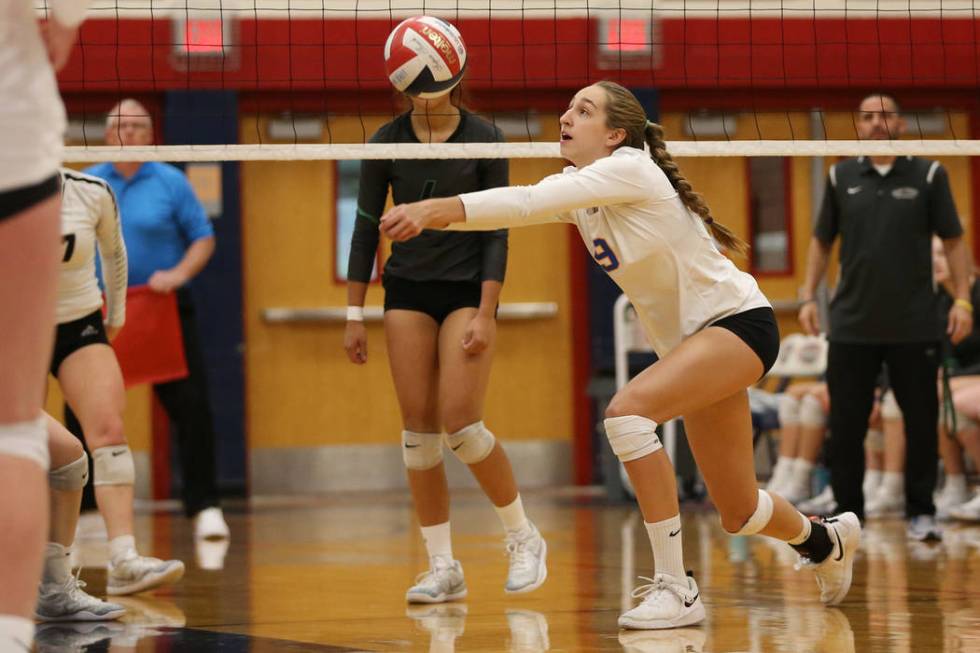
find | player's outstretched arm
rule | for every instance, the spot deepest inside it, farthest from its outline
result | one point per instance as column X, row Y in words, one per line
column 407, row 221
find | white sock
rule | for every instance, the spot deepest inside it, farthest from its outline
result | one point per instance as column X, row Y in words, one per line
column 16, row 633
column 872, row 479
column 955, row 483
column 512, row 515
column 668, row 554
column 438, row 541
column 893, row 483
column 801, row 472
column 120, row 547
column 805, row 533
column 57, row 564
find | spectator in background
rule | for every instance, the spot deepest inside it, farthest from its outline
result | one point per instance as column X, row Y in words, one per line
column 170, row 240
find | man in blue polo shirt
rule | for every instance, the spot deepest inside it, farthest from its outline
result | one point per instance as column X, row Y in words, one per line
column 169, row 240
column 885, row 210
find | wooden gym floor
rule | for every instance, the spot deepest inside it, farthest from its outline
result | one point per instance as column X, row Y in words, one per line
column 329, row 574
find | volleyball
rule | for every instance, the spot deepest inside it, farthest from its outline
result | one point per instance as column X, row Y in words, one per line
column 425, row 57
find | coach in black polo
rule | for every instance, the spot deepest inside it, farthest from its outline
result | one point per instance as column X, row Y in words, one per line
column 885, row 210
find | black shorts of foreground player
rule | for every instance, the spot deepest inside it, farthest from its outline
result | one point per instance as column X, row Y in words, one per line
column 653, row 235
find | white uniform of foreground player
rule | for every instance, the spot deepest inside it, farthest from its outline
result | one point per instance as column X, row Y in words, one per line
column 710, row 324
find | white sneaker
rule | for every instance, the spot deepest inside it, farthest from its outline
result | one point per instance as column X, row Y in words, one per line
column 527, row 569
column 822, row 505
column 442, row 582
column 209, row 524
column 835, row 571
column 884, row 504
column 668, row 602
column 924, row 529
column 528, row 631
column 68, row 602
column 679, row 640
column 969, row 511
column 948, row 499
column 140, row 573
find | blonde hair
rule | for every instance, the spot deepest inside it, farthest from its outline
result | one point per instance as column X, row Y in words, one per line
column 623, row 111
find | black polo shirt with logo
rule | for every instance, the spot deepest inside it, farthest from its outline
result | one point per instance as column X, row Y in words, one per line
column 885, row 293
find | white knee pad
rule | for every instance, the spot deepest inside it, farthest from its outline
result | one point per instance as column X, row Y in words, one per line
column 760, row 518
column 889, row 407
column 631, row 436
column 113, row 465
column 421, row 451
column 26, row 440
column 788, row 410
column 72, row 476
column 471, row 444
column 875, row 440
column 812, row 414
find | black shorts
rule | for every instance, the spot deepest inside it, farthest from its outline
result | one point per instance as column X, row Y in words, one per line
column 72, row 336
column 436, row 299
column 15, row 200
column 756, row 327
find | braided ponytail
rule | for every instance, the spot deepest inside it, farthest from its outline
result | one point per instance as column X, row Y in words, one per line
column 693, row 201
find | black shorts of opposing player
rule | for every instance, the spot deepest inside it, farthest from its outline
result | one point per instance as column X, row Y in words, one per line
column 758, row 329
column 15, row 200
column 436, row 299
column 72, row 336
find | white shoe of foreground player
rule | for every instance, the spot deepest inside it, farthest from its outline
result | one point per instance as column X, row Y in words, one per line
column 526, row 569
column 668, row 602
column 442, row 582
column 835, row 571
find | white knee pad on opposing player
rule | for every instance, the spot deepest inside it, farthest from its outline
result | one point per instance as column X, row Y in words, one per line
column 788, row 410
column 631, row 436
column 421, row 451
column 113, row 465
column 472, row 443
column 874, row 441
column 72, row 476
column 889, row 407
column 26, row 440
column 760, row 518
column 812, row 414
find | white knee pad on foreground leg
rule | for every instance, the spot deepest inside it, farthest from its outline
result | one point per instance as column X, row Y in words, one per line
column 72, row 476
column 789, row 410
column 421, row 451
column 889, row 407
column 113, row 466
column 631, row 436
column 471, row 444
column 26, row 440
column 812, row 414
column 760, row 518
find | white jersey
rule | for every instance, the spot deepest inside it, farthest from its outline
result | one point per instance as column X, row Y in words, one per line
column 31, row 113
column 640, row 232
column 89, row 213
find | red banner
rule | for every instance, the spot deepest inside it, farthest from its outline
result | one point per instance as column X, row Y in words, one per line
column 150, row 347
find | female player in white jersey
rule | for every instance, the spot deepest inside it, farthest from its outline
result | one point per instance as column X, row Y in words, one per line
column 713, row 329
column 33, row 122
column 88, row 373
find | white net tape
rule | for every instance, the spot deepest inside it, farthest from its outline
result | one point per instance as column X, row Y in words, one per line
column 334, row 152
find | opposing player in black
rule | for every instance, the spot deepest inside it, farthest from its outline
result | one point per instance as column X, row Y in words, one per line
column 441, row 293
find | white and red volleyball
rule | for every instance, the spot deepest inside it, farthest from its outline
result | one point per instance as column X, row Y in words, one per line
column 425, row 57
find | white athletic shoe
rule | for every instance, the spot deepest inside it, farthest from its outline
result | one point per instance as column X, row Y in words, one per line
column 822, row 505
column 884, row 504
column 528, row 631
column 67, row 601
column 442, row 582
column 209, row 524
column 924, row 528
column 678, row 640
column 969, row 511
column 835, row 571
column 141, row 573
column 948, row 499
column 527, row 569
column 668, row 602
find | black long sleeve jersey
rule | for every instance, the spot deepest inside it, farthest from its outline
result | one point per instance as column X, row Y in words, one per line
column 434, row 254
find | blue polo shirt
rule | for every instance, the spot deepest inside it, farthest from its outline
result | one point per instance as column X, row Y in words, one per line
column 160, row 215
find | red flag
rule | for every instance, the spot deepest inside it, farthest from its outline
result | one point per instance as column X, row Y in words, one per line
column 150, row 347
